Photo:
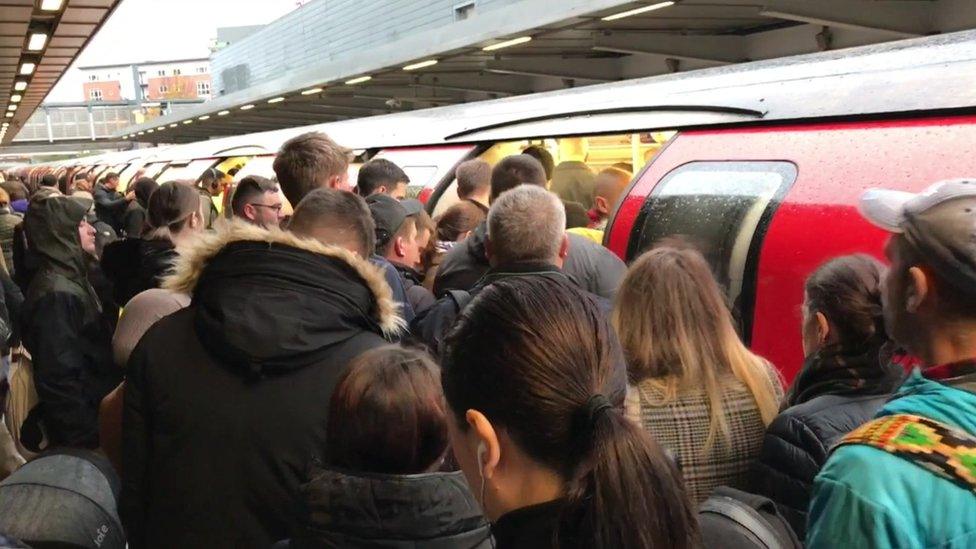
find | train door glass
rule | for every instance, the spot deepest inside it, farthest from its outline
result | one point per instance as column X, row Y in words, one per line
column 185, row 171
column 723, row 209
column 152, row 170
column 259, row 165
column 425, row 166
column 126, row 175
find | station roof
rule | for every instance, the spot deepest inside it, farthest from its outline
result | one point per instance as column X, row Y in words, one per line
column 544, row 48
column 39, row 39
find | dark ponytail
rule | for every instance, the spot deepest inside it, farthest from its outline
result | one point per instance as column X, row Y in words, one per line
column 538, row 357
column 847, row 290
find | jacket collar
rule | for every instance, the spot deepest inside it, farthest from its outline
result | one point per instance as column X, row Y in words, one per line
column 192, row 262
column 521, row 268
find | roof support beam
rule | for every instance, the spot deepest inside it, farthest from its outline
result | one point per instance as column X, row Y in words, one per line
column 905, row 18
column 599, row 70
column 476, row 82
column 711, row 49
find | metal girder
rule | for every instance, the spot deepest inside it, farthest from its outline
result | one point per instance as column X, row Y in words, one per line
column 712, row 49
column 599, row 70
column 476, row 82
column 906, row 18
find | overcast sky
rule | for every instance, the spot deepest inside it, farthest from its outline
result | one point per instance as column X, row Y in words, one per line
column 151, row 30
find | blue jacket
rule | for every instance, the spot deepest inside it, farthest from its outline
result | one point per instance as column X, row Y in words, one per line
column 865, row 497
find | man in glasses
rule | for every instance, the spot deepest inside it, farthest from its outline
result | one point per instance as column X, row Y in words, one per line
column 257, row 201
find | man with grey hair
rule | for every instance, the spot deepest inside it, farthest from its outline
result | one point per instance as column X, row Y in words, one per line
column 525, row 237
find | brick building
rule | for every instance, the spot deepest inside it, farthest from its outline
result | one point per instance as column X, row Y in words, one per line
column 148, row 81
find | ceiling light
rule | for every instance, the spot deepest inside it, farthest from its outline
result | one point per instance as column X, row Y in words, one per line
column 276, row 100
column 51, row 5
column 27, row 68
column 223, row 113
column 15, row 98
column 420, row 65
column 37, row 41
column 150, row 131
column 247, row 107
column 20, row 85
column 153, row 104
column 187, row 121
column 311, row 91
column 173, row 125
column 359, row 80
column 204, row 117
column 637, row 11
column 141, row 133
column 9, row 115
column 507, row 43
column 161, row 128
column 11, row 107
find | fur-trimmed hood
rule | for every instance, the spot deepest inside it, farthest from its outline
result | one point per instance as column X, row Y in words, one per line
column 270, row 300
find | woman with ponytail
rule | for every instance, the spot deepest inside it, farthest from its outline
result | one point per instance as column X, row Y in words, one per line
column 846, row 377
column 173, row 219
column 535, row 382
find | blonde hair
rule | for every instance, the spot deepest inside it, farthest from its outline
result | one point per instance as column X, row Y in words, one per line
column 677, row 335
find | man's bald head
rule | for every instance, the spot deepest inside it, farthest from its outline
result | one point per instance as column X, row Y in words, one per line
column 609, row 187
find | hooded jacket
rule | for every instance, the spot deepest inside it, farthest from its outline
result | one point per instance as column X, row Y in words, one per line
column 110, row 206
column 62, row 327
column 593, row 267
column 134, row 265
column 434, row 511
column 216, row 444
column 8, row 220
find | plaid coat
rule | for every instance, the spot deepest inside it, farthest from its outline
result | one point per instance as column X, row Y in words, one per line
column 682, row 427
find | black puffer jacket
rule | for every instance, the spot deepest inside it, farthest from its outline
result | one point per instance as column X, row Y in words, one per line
column 226, row 402
column 433, row 511
column 834, row 394
column 134, row 265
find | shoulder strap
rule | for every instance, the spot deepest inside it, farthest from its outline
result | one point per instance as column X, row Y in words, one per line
column 461, row 298
column 941, row 449
column 745, row 516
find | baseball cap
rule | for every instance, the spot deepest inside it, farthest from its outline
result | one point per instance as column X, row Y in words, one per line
column 939, row 223
column 412, row 206
column 388, row 215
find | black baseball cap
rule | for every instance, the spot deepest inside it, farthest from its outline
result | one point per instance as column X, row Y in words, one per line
column 388, row 215
column 939, row 223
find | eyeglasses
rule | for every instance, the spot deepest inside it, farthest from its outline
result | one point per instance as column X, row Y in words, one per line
column 275, row 207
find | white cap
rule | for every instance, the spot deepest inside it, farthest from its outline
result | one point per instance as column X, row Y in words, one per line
column 889, row 209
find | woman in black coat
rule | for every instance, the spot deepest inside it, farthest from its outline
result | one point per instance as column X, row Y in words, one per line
column 846, row 377
column 387, row 440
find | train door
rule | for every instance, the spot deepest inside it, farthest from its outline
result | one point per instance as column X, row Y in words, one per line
column 426, row 167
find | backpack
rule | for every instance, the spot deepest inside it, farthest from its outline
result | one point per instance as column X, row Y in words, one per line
column 938, row 448
column 733, row 519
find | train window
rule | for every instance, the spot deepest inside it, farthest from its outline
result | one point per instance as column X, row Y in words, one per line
column 723, row 209
column 153, row 169
column 259, row 165
column 190, row 171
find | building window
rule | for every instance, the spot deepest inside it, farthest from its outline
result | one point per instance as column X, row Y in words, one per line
column 93, row 77
column 203, row 88
column 163, row 88
column 176, row 72
column 463, row 11
column 161, row 72
column 202, row 70
column 96, row 95
column 142, row 77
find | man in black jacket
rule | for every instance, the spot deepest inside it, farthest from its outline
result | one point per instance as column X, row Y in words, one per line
column 595, row 268
column 525, row 237
column 226, row 402
column 110, row 204
column 63, row 328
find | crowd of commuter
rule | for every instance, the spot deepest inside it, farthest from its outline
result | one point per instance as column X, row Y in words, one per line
column 358, row 374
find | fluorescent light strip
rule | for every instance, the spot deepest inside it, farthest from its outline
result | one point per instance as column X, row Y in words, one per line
column 638, row 11
column 37, row 41
column 9, row 115
column 15, row 98
column 20, row 85
column 187, row 121
column 51, row 5
column 161, row 128
column 507, row 43
column 150, row 131
column 204, row 117
column 11, row 107
column 223, row 113
column 141, row 133
column 276, row 100
column 420, row 65
column 173, row 125
column 27, row 68
column 247, row 107
column 312, row 91
column 359, row 80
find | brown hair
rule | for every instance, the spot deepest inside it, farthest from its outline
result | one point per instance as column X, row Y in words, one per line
column 459, row 219
column 170, row 208
column 677, row 334
column 847, row 290
column 472, row 176
column 4, row 198
column 424, row 223
column 515, row 170
column 538, row 358
column 248, row 189
column 307, row 162
column 337, row 212
column 387, row 415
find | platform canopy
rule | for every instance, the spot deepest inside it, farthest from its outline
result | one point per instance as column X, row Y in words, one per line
column 553, row 45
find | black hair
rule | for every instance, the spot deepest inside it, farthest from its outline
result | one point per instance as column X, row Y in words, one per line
column 847, row 290
column 248, row 189
column 544, row 157
column 49, row 180
column 539, row 359
column 515, row 170
column 379, row 172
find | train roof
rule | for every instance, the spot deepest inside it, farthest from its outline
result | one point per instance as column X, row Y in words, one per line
column 930, row 74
